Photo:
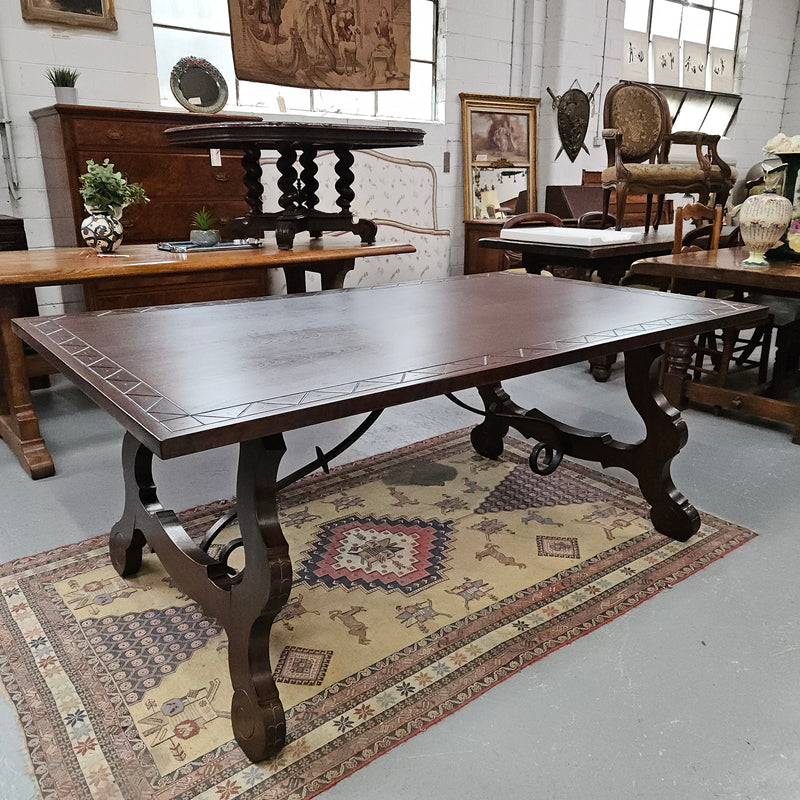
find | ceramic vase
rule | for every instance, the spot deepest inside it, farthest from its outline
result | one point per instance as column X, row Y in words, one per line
column 763, row 220
column 103, row 231
column 66, row 95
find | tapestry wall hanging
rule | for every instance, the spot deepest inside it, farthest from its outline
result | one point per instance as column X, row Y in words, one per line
column 322, row 44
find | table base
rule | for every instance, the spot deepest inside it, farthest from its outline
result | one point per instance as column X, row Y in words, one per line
column 247, row 602
column 287, row 225
column 680, row 390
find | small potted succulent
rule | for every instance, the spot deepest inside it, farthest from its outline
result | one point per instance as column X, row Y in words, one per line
column 64, row 80
column 105, row 193
column 203, row 231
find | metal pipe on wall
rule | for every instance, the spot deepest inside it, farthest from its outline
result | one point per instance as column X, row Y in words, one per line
column 7, row 141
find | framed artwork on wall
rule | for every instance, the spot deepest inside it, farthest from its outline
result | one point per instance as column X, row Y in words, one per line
column 80, row 13
column 499, row 154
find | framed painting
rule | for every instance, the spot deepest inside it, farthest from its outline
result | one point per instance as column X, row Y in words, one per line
column 80, row 13
column 499, row 154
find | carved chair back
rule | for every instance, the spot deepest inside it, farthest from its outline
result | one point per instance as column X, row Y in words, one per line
column 642, row 116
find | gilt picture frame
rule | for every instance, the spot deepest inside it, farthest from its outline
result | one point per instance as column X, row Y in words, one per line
column 77, row 13
column 499, row 154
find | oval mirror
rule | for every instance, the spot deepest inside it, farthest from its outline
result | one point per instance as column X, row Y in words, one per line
column 198, row 85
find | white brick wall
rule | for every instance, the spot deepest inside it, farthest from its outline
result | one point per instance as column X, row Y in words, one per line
column 554, row 43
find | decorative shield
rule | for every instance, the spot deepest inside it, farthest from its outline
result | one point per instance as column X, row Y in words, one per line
column 573, row 120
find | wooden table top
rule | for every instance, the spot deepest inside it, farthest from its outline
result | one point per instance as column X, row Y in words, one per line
column 724, row 266
column 653, row 242
column 76, row 264
column 187, row 378
column 298, row 134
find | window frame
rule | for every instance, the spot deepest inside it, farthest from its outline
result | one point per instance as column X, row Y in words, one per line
column 234, row 104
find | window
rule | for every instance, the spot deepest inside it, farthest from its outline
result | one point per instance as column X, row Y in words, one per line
column 201, row 28
column 713, row 24
column 705, row 33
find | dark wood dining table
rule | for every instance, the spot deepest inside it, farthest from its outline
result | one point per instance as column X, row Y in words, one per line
column 116, row 281
column 723, row 269
column 275, row 364
column 298, row 199
column 611, row 260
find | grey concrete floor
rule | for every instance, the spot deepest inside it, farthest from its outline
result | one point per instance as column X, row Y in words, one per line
column 693, row 695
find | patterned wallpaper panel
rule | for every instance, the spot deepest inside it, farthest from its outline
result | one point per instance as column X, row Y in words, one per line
column 400, row 195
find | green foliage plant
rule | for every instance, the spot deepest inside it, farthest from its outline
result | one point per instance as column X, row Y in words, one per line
column 106, row 191
column 202, row 220
column 62, row 76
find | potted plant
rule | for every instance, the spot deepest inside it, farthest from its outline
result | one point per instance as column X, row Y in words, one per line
column 105, row 193
column 203, row 231
column 64, row 80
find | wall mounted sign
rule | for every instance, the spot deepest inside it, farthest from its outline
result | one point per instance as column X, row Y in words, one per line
column 634, row 56
column 666, row 61
column 322, row 44
column 80, row 13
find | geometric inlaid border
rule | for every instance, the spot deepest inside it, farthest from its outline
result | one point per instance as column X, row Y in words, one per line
column 174, row 418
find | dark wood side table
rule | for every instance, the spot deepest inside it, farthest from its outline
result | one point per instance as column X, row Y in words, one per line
column 298, row 200
column 610, row 260
column 723, row 269
column 321, row 357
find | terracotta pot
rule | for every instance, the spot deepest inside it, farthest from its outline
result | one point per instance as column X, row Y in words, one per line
column 763, row 220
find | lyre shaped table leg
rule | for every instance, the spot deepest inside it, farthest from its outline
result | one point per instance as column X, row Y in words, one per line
column 648, row 460
column 259, row 723
column 245, row 603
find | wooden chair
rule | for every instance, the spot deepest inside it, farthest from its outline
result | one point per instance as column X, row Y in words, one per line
column 715, row 352
column 596, row 219
column 530, row 219
column 638, row 134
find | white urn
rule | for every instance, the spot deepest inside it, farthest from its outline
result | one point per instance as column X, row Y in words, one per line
column 763, row 219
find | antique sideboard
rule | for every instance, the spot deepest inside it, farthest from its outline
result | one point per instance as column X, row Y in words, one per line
column 178, row 181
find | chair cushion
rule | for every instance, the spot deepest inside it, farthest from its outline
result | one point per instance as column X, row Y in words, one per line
column 657, row 173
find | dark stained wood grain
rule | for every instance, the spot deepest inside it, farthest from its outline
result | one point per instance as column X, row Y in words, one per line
column 610, row 260
column 297, row 183
column 188, row 378
column 270, row 365
column 723, row 269
column 270, row 135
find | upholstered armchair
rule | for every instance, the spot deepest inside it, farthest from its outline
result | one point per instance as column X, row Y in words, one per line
column 638, row 135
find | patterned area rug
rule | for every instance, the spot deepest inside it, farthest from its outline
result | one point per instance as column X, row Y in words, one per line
column 422, row 577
